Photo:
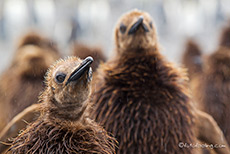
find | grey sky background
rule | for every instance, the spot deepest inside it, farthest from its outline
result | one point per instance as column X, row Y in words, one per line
column 92, row 22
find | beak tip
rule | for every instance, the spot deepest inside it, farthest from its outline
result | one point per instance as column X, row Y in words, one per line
column 89, row 58
column 77, row 73
column 141, row 18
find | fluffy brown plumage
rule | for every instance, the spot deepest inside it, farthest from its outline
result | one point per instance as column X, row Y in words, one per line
column 22, row 82
column 192, row 58
column 18, row 123
column 141, row 98
column 82, row 51
column 208, row 132
column 64, row 126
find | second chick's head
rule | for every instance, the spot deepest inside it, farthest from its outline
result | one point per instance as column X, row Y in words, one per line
column 34, row 61
column 34, row 55
column 135, row 30
column 68, row 88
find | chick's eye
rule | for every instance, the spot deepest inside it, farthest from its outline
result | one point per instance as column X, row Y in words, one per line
column 60, row 77
column 151, row 24
column 122, row 28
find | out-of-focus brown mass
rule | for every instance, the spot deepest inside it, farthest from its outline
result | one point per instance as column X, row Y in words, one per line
column 192, row 58
column 82, row 51
column 22, row 81
column 211, row 89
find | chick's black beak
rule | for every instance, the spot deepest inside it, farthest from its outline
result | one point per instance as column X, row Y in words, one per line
column 79, row 71
column 137, row 25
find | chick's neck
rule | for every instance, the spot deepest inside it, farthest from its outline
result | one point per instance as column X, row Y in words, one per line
column 62, row 113
column 134, row 58
column 144, row 67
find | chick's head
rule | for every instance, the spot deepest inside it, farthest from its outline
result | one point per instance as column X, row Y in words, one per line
column 135, row 30
column 68, row 80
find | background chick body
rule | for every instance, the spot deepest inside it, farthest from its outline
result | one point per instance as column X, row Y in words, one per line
column 82, row 51
column 211, row 88
column 64, row 126
column 22, row 82
column 141, row 98
column 192, row 58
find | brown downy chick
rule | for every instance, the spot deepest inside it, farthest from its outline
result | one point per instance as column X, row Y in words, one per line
column 64, row 126
column 22, row 82
column 213, row 90
column 82, row 51
column 34, row 38
column 140, row 97
column 192, row 58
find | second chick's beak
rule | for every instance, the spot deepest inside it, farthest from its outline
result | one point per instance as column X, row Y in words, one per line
column 137, row 25
column 79, row 71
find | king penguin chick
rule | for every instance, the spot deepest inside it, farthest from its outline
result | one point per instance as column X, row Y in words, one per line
column 82, row 51
column 140, row 97
column 22, row 82
column 212, row 89
column 64, row 126
column 192, row 58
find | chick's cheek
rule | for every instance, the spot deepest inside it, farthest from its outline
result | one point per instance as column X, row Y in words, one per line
column 81, row 83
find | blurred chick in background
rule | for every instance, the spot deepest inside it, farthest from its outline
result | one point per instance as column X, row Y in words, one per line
column 82, row 51
column 22, row 82
column 211, row 89
column 192, row 58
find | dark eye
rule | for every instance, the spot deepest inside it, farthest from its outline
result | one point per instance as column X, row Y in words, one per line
column 122, row 28
column 60, row 77
column 151, row 24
